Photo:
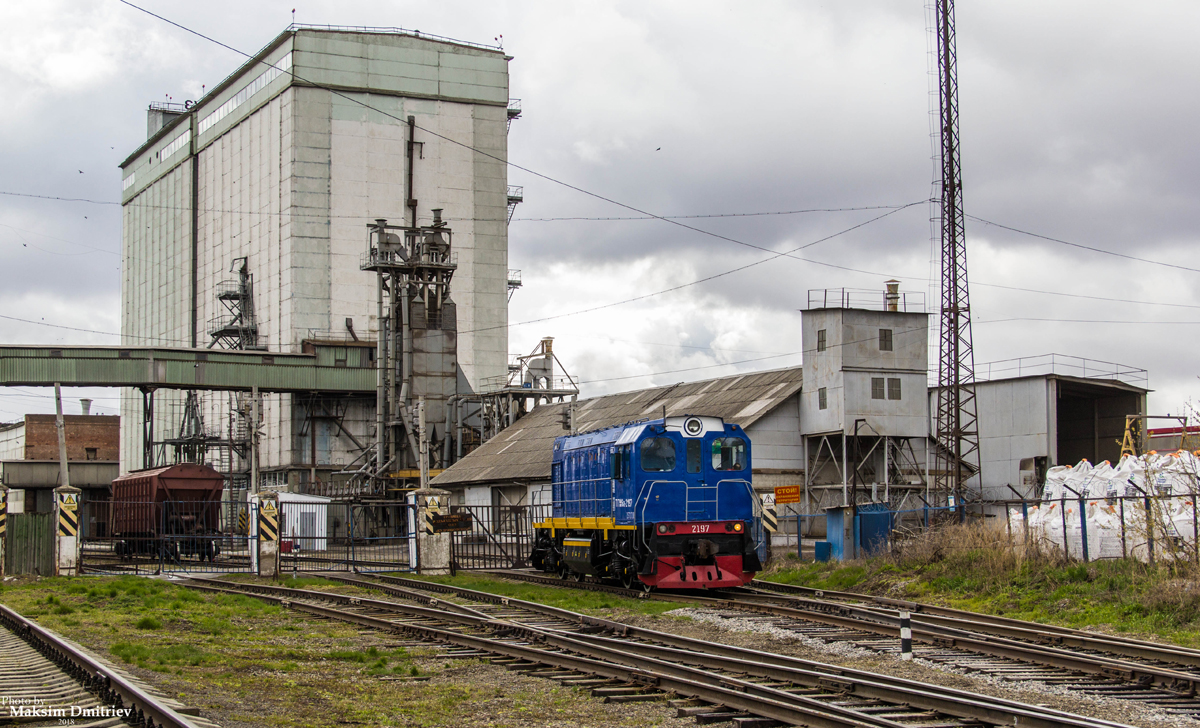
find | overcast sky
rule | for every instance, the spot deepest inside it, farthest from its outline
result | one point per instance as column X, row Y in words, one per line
column 1078, row 123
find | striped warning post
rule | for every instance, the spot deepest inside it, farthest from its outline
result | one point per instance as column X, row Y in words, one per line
column 433, row 507
column 68, row 515
column 268, row 521
column 770, row 519
column 905, row 636
column 3, row 514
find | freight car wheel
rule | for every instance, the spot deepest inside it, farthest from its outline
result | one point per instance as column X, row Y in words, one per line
column 579, row 575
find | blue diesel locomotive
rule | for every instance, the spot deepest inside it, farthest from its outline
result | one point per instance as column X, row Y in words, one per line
column 666, row 503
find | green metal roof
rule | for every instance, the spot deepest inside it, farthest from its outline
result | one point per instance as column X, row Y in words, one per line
column 331, row 368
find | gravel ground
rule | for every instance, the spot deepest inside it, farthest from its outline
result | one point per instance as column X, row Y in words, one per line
column 721, row 627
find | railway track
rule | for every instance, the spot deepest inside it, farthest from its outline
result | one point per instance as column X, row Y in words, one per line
column 47, row 681
column 624, row 663
column 1004, row 648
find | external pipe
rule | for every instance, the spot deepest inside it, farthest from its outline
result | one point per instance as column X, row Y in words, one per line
column 381, row 374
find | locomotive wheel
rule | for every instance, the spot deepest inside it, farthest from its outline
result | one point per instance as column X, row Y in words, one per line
column 564, row 572
column 628, row 578
column 579, row 575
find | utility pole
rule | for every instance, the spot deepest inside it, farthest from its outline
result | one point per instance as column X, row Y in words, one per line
column 63, row 467
column 957, row 419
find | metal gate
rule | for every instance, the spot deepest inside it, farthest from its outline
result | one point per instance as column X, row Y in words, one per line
column 383, row 536
column 219, row 536
column 29, row 544
column 167, row 536
column 501, row 537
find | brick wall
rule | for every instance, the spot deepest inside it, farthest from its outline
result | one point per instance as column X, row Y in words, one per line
column 97, row 432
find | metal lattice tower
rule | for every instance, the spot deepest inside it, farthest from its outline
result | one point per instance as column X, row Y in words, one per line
column 957, row 421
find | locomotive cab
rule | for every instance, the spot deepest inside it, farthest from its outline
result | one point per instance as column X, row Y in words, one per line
column 665, row 503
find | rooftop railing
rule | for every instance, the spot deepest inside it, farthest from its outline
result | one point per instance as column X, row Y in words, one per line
column 393, row 30
column 1061, row 364
column 865, row 298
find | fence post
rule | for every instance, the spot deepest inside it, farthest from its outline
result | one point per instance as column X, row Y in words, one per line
column 1025, row 518
column 350, row 535
column 1062, row 507
column 1195, row 531
column 3, row 523
column 1149, row 531
column 799, row 538
column 1083, row 527
column 1124, row 551
column 268, row 535
column 66, row 533
column 433, row 546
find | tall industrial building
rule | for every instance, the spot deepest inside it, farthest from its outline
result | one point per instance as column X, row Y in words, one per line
column 245, row 225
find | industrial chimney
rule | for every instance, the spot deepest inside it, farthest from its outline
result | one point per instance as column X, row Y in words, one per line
column 86, row 406
column 893, row 295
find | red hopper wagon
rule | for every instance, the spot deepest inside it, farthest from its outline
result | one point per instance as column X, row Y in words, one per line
column 168, row 511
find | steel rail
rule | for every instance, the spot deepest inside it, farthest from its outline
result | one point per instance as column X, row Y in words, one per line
column 980, row 707
column 954, row 702
column 692, row 682
column 457, row 612
column 866, row 619
column 113, row 689
column 544, row 609
column 1053, row 633
column 960, row 703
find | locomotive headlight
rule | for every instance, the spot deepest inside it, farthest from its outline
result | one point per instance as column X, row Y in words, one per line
column 737, row 527
column 662, row 528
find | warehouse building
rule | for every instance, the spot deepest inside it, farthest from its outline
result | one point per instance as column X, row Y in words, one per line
column 853, row 423
column 513, row 468
column 245, row 222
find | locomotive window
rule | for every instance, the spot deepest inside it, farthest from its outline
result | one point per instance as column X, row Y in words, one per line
column 693, row 456
column 729, row 453
column 658, row 454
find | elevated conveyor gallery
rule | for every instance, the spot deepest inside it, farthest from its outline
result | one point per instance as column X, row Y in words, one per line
column 332, row 369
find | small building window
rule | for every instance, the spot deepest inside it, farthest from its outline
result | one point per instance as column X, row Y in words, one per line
column 893, row 388
column 885, row 339
column 877, row 388
column 822, row 399
column 92, row 453
column 821, row 340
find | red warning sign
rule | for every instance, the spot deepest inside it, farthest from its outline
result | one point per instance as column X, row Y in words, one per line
column 787, row 494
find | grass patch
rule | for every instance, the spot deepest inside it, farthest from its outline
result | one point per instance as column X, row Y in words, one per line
column 576, row 600
column 978, row 568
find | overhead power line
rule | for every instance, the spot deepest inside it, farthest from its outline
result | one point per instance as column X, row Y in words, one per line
column 714, row 215
column 1084, row 247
